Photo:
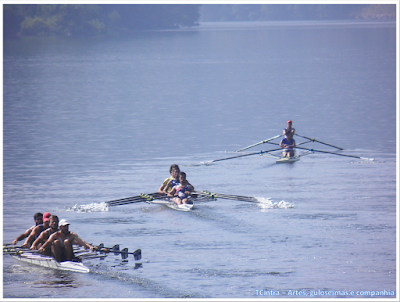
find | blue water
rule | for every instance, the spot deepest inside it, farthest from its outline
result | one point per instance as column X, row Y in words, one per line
column 92, row 120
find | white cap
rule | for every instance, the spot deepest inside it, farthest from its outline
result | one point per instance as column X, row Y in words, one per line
column 63, row 222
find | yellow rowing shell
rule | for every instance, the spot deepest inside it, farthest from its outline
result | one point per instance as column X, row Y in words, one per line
column 287, row 160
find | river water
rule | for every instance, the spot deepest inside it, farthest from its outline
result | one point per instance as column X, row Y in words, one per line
column 97, row 119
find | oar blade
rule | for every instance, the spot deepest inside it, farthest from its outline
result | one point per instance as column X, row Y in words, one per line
column 115, row 249
column 137, row 254
column 124, row 253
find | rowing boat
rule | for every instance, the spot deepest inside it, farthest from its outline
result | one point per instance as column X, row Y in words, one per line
column 283, row 160
column 33, row 257
column 167, row 202
column 268, row 153
column 50, row 262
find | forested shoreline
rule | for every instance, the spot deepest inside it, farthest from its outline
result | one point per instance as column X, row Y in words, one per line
column 93, row 19
column 101, row 19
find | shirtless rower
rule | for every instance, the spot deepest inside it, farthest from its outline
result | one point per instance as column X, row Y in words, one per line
column 38, row 217
column 37, row 230
column 61, row 243
column 45, row 235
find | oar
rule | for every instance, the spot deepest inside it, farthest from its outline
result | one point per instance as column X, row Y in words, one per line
column 314, row 140
column 18, row 251
column 248, row 154
column 125, row 200
column 124, row 252
column 102, row 249
column 313, row 150
column 134, row 199
column 137, row 255
column 7, row 246
column 259, row 143
column 227, row 196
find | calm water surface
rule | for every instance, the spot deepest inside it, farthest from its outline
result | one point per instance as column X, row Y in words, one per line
column 92, row 120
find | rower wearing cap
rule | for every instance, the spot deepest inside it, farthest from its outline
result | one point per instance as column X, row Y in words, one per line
column 288, row 132
column 61, row 243
column 38, row 229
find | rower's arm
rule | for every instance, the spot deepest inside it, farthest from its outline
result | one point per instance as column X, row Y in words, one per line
column 48, row 242
column 164, row 186
column 190, row 186
column 30, row 238
column 167, row 186
column 38, row 240
column 172, row 192
column 83, row 243
column 23, row 235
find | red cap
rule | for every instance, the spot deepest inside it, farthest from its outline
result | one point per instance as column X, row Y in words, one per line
column 46, row 216
column 289, row 121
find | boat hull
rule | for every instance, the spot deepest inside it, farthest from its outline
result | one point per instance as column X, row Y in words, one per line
column 284, row 160
column 173, row 205
column 50, row 262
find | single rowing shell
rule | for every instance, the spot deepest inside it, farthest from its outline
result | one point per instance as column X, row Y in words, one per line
column 283, row 160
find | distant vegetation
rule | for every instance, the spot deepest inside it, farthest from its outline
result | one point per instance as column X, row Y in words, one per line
column 287, row 12
column 95, row 19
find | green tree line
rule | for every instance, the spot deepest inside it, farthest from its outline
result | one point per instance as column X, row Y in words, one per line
column 93, row 19
column 287, row 12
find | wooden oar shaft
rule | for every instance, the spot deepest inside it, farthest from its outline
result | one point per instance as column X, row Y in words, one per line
column 314, row 140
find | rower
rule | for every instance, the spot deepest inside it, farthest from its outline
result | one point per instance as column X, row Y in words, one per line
column 181, row 192
column 37, row 230
column 38, row 218
column 61, row 243
column 288, row 144
column 171, row 181
column 45, row 235
column 288, row 132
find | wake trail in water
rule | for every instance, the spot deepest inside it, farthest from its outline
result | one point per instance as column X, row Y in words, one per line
column 87, row 208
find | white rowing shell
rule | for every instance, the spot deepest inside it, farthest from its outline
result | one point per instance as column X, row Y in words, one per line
column 50, row 262
column 173, row 205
